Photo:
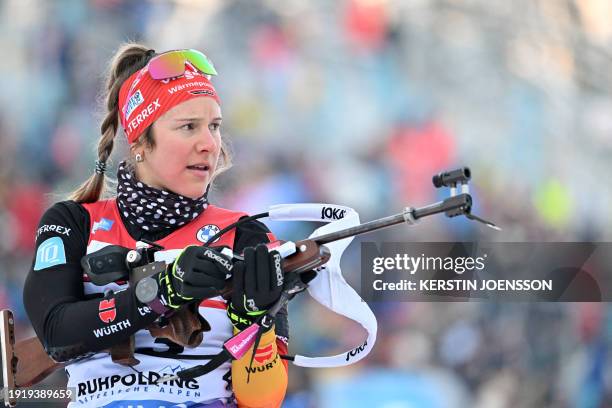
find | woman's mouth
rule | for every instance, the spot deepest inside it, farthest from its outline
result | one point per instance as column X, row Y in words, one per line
column 199, row 167
column 200, row 170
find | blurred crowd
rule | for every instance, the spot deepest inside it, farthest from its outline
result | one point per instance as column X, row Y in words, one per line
column 359, row 102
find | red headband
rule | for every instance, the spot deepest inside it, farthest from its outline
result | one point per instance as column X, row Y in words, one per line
column 142, row 99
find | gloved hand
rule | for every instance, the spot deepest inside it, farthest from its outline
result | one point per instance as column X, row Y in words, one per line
column 257, row 285
column 197, row 273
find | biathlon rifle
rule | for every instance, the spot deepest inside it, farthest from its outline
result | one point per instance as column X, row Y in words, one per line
column 25, row 363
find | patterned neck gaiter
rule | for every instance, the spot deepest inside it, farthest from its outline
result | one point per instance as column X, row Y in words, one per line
column 151, row 209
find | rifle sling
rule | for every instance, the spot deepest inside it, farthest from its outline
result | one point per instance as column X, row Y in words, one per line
column 149, row 351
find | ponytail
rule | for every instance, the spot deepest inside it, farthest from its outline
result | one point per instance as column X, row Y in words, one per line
column 128, row 59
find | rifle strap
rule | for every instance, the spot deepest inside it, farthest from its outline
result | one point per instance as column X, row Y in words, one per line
column 200, row 370
column 233, row 349
column 150, row 351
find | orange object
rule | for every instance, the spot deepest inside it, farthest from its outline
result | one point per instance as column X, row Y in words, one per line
column 268, row 380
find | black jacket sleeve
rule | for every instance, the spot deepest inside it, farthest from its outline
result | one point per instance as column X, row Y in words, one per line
column 252, row 233
column 68, row 323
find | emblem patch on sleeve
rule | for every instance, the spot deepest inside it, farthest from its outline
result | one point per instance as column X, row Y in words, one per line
column 51, row 252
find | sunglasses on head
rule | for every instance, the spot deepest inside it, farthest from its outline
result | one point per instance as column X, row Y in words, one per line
column 171, row 64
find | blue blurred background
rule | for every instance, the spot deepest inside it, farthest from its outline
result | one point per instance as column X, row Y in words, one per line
column 359, row 102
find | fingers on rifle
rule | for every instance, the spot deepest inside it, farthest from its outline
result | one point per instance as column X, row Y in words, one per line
column 217, row 260
column 198, row 292
column 250, row 273
column 212, row 277
column 264, row 269
column 276, row 270
column 238, row 278
column 190, row 251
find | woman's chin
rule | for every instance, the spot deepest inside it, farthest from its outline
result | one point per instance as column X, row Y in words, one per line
column 192, row 192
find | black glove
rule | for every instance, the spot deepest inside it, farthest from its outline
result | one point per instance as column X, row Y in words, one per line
column 197, row 273
column 257, row 285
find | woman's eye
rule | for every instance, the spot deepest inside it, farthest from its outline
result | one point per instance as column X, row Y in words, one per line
column 188, row 126
column 214, row 126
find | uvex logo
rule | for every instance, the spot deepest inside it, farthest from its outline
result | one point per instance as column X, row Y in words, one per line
column 356, row 351
column 107, row 311
column 332, row 213
column 263, row 354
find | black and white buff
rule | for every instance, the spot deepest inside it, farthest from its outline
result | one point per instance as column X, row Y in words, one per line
column 152, row 209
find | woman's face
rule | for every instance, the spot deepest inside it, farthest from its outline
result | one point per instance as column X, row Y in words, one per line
column 187, row 147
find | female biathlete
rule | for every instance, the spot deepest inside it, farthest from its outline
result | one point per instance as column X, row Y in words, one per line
column 170, row 113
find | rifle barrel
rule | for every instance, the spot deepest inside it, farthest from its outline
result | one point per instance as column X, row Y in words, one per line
column 408, row 215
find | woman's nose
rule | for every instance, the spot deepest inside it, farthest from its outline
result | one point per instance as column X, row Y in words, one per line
column 206, row 141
